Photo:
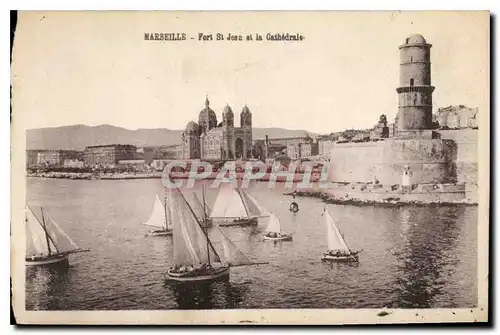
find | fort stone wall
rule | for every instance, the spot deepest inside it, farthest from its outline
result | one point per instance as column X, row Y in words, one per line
column 384, row 161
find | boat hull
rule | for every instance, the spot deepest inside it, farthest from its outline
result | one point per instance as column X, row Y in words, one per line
column 59, row 259
column 217, row 274
column 159, row 233
column 341, row 258
column 281, row 238
column 241, row 223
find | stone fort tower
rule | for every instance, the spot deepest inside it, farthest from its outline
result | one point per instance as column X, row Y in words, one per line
column 416, row 150
column 415, row 90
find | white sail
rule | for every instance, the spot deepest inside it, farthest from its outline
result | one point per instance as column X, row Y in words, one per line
column 191, row 245
column 168, row 209
column 229, row 204
column 232, row 255
column 335, row 239
column 36, row 239
column 198, row 207
column 158, row 215
column 253, row 207
column 45, row 237
column 63, row 242
column 274, row 224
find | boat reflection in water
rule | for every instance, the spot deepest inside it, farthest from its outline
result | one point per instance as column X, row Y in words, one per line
column 214, row 295
column 49, row 284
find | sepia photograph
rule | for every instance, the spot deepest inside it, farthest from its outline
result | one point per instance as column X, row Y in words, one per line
column 250, row 167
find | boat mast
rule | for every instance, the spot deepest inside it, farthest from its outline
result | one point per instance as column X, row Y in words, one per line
column 197, row 221
column 45, row 230
column 165, row 209
column 206, row 221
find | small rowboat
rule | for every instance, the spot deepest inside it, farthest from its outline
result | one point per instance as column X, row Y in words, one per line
column 274, row 230
column 285, row 237
column 338, row 250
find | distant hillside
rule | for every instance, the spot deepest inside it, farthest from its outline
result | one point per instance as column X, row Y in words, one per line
column 79, row 136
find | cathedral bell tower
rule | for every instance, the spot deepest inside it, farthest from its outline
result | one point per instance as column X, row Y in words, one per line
column 228, row 148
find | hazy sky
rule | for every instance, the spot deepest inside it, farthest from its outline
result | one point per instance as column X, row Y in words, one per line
column 96, row 68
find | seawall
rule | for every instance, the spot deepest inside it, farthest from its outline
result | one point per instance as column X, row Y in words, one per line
column 369, row 194
column 384, row 161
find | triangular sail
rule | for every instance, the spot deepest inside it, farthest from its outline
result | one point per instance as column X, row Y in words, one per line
column 228, row 204
column 274, row 224
column 35, row 236
column 232, row 255
column 253, row 207
column 158, row 215
column 263, row 212
column 191, row 245
column 335, row 239
column 63, row 242
column 168, row 209
column 197, row 206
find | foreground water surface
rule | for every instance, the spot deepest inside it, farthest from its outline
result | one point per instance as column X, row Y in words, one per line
column 413, row 257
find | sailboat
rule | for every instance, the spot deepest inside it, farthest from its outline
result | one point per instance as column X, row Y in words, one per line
column 338, row 250
column 237, row 207
column 47, row 243
column 195, row 258
column 274, row 232
column 159, row 218
column 201, row 210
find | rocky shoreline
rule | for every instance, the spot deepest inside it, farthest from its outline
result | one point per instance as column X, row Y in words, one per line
column 388, row 202
column 92, row 176
column 151, row 175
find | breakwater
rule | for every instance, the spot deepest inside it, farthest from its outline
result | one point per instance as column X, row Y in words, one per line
column 365, row 194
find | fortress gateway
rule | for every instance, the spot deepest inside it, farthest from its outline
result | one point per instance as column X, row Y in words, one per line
column 418, row 158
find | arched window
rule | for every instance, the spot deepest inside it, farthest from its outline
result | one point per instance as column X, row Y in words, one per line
column 411, row 81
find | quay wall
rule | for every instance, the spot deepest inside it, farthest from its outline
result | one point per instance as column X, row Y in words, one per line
column 384, row 161
column 466, row 159
column 369, row 193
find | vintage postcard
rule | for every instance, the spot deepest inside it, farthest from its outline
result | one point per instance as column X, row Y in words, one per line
column 250, row 167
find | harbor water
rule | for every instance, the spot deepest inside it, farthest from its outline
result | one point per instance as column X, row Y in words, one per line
column 413, row 257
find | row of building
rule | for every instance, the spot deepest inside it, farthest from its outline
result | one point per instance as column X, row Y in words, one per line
column 112, row 155
column 98, row 155
column 451, row 117
column 212, row 141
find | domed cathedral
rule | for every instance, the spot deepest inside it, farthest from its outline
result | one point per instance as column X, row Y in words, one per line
column 209, row 140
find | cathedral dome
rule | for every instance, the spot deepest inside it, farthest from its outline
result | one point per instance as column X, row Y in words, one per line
column 415, row 39
column 207, row 118
column 191, row 128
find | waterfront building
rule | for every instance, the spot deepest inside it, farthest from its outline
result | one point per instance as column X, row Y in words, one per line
column 54, row 158
column 456, row 117
column 295, row 147
column 73, row 163
column 108, row 154
column 32, row 157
